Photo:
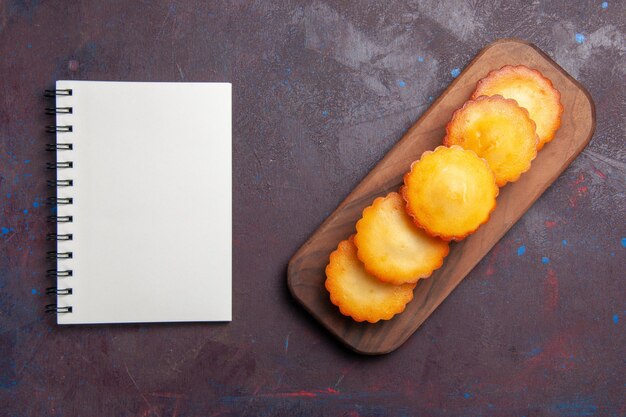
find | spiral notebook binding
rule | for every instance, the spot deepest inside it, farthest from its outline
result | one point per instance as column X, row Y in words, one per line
column 55, row 273
column 59, row 165
column 60, row 219
column 60, row 183
column 59, row 128
column 59, row 201
column 59, row 110
column 53, row 255
column 58, row 291
column 53, row 308
column 55, row 200
column 57, row 236
column 53, row 147
column 58, row 92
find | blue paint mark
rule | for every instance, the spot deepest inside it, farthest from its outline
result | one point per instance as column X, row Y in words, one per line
column 33, row 291
column 564, row 242
column 287, row 343
column 430, row 98
column 576, row 408
column 27, row 161
column 605, row 4
column 615, row 318
column 288, row 71
column 30, row 45
column 536, row 351
column 8, row 195
column 401, row 83
column 325, row 113
column 545, row 260
column 455, row 72
column 257, row 178
column 25, row 211
column 420, row 58
column 53, row 210
column 521, row 250
column 35, row 204
column 624, row 242
column 612, row 253
column 5, row 230
column 467, row 395
column 7, row 383
column 580, row 38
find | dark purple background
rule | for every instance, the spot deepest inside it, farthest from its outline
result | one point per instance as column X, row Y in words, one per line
column 321, row 91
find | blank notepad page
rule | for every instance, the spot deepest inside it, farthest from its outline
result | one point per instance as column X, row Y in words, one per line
column 151, row 202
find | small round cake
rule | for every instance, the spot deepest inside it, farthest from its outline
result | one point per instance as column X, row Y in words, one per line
column 532, row 91
column 498, row 130
column 450, row 192
column 392, row 247
column 357, row 293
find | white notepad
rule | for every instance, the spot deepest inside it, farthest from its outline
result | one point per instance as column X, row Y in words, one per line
column 151, row 202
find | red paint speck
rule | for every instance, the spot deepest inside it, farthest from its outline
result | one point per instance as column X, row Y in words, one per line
column 72, row 65
column 580, row 179
column 583, row 189
column 549, row 224
column 599, row 173
column 305, row 394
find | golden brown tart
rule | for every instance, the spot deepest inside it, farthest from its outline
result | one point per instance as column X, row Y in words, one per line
column 532, row 91
column 498, row 130
column 357, row 293
column 450, row 192
column 392, row 247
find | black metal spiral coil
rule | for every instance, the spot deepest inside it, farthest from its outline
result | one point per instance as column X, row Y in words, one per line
column 57, row 236
column 56, row 201
column 53, row 255
column 58, row 92
column 59, row 165
column 55, row 273
column 59, row 128
column 59, row 110
column 53, row 147
column 53, row 308
column 58, row 291
column 59, row 201
column 60, row 183
column 60, row 219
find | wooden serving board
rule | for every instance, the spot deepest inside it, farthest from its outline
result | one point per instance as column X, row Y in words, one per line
column 306, row 274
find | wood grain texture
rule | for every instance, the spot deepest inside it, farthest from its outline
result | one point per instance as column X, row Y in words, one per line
column 306, row 269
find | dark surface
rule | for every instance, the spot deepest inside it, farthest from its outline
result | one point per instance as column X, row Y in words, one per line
column 321, row 91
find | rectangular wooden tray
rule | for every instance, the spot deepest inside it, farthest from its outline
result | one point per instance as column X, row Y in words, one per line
column 306, row 274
